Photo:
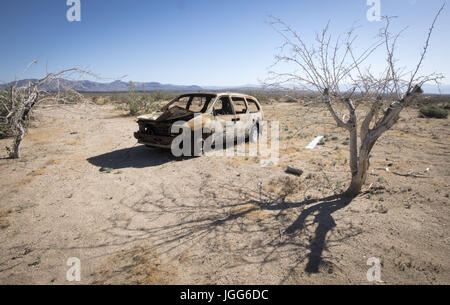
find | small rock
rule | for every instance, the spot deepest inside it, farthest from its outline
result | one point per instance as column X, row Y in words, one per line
column 106, row 170
column 34, row 264
column 294, row 171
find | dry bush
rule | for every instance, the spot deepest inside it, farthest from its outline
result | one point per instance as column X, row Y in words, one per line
column 142, row 102
column 433, row 112
column 140, row 265
column 19, row 100
column 285, row 186
column 5, row 128
column 4, row 222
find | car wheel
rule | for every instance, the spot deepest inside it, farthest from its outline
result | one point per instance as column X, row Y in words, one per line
column 254, row 134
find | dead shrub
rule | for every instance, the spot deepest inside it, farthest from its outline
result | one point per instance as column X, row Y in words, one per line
column 434, row 112
column 285, row 186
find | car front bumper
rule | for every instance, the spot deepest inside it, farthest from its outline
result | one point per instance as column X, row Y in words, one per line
column 154, row 141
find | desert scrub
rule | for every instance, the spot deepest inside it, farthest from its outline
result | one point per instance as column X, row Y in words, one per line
column 285, row 186
column 5, row 129
column 4, row 223
column 339, row 187
column 9, row 152
column 380, row 208
column 139, row 102
column 288, row 99
column 134, row 102
column 433, row 112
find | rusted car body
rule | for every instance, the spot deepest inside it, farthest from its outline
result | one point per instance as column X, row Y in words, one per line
column 208, row 113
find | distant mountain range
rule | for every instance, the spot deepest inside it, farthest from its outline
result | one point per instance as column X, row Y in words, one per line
column 121, row 86
column 116, row 86
column 433, row 89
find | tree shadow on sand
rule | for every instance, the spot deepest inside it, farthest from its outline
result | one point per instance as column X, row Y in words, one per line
column 217, row 220
column 322, row 211
column 235, row 224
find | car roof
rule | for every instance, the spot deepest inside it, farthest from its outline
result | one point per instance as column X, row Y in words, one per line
column 220, row 93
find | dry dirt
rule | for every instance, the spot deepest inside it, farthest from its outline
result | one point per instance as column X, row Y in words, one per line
column 149, row 218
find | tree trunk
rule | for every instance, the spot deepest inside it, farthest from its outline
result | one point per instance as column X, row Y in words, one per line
column 354, row 151
column 359, row 178
column 358, row 174
column 19, row 138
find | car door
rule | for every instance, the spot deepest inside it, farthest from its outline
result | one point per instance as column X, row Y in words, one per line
column 254, row 111
column 224, row 117
column 242, row 117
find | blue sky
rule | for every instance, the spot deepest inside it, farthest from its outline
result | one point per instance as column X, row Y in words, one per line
column 208, row 43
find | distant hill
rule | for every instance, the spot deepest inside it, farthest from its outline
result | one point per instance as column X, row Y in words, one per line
column 433, row 89
column 116, row 86
column 121, row 86
column 428, row 88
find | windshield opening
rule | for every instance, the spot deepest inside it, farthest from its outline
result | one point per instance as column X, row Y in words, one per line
column 192, row 103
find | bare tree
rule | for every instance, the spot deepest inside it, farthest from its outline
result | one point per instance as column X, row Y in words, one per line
column 19, row 100
column 332, row 68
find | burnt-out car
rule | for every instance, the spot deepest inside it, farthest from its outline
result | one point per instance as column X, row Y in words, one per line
column 212, row 115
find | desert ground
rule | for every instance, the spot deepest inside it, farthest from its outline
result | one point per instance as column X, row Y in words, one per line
column 83, row 188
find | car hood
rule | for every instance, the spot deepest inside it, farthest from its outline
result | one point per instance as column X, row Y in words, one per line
column 150, row 117
column 170, row 115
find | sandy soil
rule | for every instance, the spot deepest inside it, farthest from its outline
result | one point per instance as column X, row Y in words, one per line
column 153, row 219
